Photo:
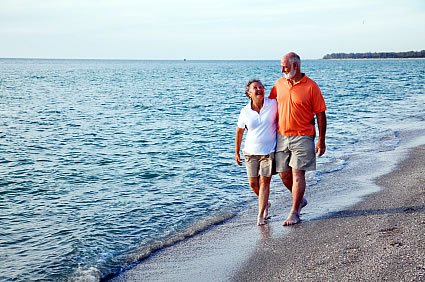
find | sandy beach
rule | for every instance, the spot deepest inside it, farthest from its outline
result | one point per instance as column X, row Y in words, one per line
column 382, row 238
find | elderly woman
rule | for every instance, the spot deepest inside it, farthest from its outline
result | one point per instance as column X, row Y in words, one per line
column 259, row 118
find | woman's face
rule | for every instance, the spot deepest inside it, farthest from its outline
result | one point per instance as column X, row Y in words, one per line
column 256, row 91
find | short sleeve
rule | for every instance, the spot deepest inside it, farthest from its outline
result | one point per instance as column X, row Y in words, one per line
column 273, row 93
column 241, row 121
column 318, row 100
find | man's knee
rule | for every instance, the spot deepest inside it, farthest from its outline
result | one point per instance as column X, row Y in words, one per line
column 298, row 173
column 286, row 175
column 298, row 176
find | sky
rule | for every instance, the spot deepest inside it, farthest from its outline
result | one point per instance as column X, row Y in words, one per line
column 207, row 29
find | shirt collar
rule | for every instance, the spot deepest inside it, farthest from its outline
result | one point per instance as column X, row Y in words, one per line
column 302, row 80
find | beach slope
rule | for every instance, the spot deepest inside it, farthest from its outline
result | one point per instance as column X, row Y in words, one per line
column 382, row 238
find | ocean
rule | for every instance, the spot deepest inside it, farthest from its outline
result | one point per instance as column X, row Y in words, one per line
column 105, row 162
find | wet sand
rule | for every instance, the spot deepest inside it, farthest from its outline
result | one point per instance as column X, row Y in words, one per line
column 382, row 238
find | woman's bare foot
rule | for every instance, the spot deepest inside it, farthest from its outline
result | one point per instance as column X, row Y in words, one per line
column 261, row 221
column 292, row 219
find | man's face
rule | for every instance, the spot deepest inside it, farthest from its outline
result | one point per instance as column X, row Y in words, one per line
column 288, row 69
column 284, row 63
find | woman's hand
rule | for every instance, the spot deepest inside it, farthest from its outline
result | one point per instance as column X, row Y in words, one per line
column 238, row 142
column 238, row 158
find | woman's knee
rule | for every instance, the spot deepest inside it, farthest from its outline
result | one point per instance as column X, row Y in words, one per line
column 254, row 182
column 265, row 181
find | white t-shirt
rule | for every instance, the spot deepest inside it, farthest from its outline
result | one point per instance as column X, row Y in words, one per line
column 261, row 136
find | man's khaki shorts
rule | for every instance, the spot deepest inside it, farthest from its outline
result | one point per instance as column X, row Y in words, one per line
column 259, row 165
column 295, row 152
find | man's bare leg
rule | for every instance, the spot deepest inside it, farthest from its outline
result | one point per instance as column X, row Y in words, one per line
column 286, row 177
column 287, row 180
column 298, row 189
column 302, row 205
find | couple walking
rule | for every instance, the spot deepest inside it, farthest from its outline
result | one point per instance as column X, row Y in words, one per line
column 280, row 135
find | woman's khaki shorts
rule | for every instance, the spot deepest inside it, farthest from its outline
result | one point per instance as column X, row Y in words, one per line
column 259, row 165
column 295, row 152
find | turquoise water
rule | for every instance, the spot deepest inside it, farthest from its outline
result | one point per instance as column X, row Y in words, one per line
column 104, row 162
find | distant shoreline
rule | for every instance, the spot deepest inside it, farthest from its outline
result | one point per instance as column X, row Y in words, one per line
column 196, row 60
column 377, row 55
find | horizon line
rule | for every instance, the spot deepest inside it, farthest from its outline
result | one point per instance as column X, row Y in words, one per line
column 133, row 59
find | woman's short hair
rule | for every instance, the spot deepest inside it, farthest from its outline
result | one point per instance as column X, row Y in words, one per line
column 251, row 81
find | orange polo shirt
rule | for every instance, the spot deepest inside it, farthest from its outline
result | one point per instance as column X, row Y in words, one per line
column 297, row 105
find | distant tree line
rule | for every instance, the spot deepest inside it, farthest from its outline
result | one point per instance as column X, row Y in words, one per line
column 379, row 55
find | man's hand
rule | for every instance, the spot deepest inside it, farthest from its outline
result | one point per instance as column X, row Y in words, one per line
column 320, row 147
column 321, row 125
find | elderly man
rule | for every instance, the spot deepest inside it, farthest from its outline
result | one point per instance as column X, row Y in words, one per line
column 299, row 99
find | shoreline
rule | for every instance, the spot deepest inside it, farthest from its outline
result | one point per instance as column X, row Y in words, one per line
column 361, row 239
column 379, row 238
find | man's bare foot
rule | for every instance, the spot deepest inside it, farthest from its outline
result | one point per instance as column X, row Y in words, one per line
column 292, row 219
column 260, row 221
column 302, row 205
column 266, row 212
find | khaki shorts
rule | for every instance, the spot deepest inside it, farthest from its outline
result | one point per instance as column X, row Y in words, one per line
column 295, row 152
column 259, row 165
